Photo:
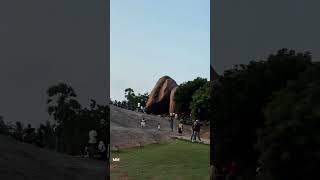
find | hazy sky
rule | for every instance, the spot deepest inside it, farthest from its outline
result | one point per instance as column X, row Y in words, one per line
column 46, row 42
column 250, row 29
column 153, row 38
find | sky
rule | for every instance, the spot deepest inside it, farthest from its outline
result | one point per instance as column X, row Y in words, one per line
column 153, row 38
column 251, row 30
column 43, row 43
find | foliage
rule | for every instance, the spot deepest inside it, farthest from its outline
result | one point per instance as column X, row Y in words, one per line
column 200, row 104
column 238, row 100
column 18, row 131
column 64, row 108
column 132, row 99
column 184, row 93
column 72, row 121
column 3, row 127
column 289, row 143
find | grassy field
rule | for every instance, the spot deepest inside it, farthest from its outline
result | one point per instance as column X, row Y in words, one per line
column 177, row 160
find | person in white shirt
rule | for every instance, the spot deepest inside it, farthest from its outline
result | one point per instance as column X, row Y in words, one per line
column 92, row 142
column 143, row 123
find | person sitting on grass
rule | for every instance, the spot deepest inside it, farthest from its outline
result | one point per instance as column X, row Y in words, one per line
column 180, row 128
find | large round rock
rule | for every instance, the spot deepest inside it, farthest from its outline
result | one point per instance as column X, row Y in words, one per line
column 159, row 98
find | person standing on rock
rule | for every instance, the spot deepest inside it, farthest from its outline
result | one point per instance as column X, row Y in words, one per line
column 143, row 123
column 171, row 123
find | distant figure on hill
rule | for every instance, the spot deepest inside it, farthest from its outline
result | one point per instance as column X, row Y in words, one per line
column 158, row 126
column 143, row 123
column 180, row 128
column 171, row 123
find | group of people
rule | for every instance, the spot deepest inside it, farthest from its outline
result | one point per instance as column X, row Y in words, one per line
column 180, row 125
column 95, row 149
column 195, row 126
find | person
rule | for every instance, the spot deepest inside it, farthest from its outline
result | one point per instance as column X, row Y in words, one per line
column 171, row 123
column 102, row 151
column 192, row 128
column 180, row 128
column 176, row 116
column 143, row 123
column 86, row 152
column 196, row 130
column 158, row 126
column 92, row 143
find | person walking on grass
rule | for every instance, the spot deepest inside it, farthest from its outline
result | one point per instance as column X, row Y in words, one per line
column 180, row 128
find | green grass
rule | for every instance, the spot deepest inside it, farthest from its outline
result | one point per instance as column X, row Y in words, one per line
column 177, row 160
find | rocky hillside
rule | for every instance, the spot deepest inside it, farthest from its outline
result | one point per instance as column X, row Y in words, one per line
column 20, row 161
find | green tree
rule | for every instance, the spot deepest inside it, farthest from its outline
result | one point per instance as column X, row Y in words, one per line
column 49, row 135
column 18, row 131
column 131, row 98
column 238, row 100
column 290, row 140
column 200, row 104
column 3, row 127
column 64, row 108
column 184, row 93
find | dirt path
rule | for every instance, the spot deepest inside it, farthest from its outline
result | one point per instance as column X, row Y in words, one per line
column 125, row 130
column 20, row 161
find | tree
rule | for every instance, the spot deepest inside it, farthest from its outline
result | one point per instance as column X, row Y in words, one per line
column 184, row 93
column 131, row 98
column 238, row 100
column 64, row 108
column 289, row 142
column 49, row 135
column 200, row 104
column 3, row 127
column 18, row 131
